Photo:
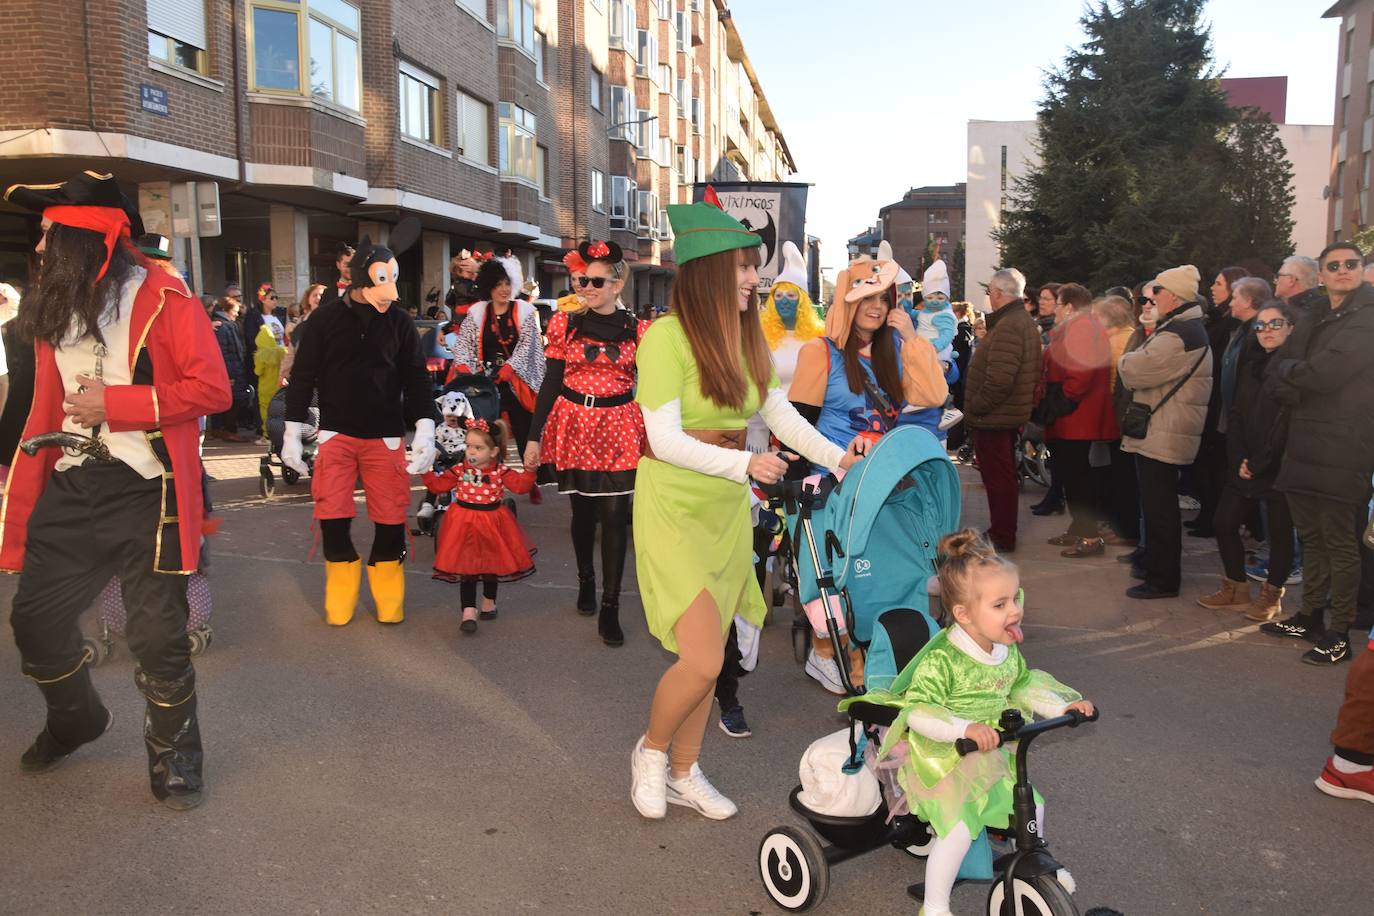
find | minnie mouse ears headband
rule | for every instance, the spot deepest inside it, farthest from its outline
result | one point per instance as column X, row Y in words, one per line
column 478, row 423
column 591, row 250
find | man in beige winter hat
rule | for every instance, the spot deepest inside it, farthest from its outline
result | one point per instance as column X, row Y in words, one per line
column 1171, row 374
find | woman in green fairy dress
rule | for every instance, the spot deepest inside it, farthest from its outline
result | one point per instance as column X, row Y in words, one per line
column 703, row 371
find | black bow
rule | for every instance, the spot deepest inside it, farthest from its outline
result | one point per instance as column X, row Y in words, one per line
column 612, row 351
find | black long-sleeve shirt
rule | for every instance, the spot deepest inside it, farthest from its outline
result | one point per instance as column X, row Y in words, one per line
column 368, row 369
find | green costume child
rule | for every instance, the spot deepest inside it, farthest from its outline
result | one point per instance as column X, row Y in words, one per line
column 267, row 366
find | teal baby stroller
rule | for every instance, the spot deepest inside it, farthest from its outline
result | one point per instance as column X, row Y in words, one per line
column 870, row 542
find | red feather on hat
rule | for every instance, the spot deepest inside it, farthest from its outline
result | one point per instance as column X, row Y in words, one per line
column 711, row 198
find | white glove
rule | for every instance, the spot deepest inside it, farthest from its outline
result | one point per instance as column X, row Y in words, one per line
column 291, row 453
column 422, row 450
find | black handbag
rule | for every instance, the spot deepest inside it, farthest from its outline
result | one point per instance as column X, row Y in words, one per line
column 1135, row 422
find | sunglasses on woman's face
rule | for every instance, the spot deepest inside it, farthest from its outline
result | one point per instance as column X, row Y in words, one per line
column 1273, row 324
column 596, row 282
column 611, row 350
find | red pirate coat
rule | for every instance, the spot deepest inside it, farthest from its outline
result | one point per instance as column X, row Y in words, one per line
column 172, row 333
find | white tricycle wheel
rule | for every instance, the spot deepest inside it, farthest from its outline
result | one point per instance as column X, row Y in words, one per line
column 793, row 867
column 1042, row 895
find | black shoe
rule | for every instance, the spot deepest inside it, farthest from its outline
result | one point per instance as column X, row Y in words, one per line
column 1147, row 592
column 1332, row 648
column 487, row 615
column 1047, row 508
column 75, row 717
column 1299, row 626
column 586, row 595
column 171, row 733
column 608, row 623
column 469, row 625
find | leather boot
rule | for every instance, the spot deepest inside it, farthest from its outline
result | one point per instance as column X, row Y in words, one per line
column 341, row 584
column 608, row 622
column 1230, row 595
column 586, row 595
column 1268, row 605
column 387, row 580
column 171, row 732
column 75, row 717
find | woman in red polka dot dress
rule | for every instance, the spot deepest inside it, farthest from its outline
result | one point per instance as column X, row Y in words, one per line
column 587, row 432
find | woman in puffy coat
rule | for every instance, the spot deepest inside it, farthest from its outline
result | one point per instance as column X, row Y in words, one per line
column 1076, row 407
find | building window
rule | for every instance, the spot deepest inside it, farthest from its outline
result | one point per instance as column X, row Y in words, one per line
column 665, row 228
column 939, row 216
column 665, row 77
column 664, row 151
column 329, row 40
column 624, row 197
column 515, row 22
column 682, row 30
column 176, row 33
column 622, row 113
column 643, row 134
column 647, row 214
column 541, row 47
column 623, row 27
column 665, row 9
column 696, row 114
column 541, row 170
column 596, row 89
column 474, row 126
column 647, row 63
column 334, row 53
column 598, row 191
column 419, row 104
column 517, row 143
column 478, row 8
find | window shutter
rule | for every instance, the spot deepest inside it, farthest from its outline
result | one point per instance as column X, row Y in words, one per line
column 183, row 20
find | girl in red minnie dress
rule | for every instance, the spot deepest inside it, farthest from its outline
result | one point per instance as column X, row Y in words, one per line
column 480, row 538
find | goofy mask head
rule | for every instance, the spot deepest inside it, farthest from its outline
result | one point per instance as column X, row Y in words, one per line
column 374, row 270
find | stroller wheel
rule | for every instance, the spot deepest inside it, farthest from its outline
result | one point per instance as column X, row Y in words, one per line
column 200, row 640
column 291, row 476
column 921, row 840
column 98, row 648
column 1042, row 895
column 794, row 870
column 267, row 484
column 801, row 642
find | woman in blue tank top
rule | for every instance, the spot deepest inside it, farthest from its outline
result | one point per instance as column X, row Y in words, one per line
column 871, row 371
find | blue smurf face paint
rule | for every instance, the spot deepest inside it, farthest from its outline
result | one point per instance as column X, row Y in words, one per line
column 786, row 300
column 936, row 302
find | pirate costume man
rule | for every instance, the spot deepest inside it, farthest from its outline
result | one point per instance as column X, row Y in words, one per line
column 120, row 392
column 363, row 357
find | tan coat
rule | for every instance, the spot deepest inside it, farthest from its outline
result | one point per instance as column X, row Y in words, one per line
column 1150, row 372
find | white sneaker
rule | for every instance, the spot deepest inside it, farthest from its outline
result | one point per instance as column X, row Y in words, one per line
column 950, row 418
column 696, row 791
column 648, row 781
column 826, row 672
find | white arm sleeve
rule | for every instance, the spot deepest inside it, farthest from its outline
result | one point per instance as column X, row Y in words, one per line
column 792, row 429
column 671, row 444
column 949, row 730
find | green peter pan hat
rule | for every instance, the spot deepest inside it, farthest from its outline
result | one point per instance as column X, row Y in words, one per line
column 704, row 228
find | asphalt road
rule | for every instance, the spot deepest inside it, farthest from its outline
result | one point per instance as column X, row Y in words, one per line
column 414, row 770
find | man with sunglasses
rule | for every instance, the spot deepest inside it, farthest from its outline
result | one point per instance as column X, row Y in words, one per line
column 1326, row 374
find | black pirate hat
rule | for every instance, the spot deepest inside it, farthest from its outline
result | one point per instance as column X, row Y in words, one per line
column 88, row 189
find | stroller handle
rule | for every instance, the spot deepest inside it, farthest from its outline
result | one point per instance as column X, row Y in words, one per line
column 1071, row 719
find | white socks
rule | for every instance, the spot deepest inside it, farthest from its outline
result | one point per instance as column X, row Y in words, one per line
column 1341, row 765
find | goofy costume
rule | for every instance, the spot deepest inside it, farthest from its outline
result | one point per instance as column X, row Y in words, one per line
column 124, row 501
column 363, row 357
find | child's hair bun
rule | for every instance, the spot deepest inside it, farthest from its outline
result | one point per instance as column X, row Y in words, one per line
column 966, row 543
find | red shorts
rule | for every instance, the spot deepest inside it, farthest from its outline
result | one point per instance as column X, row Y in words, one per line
column 339, row 463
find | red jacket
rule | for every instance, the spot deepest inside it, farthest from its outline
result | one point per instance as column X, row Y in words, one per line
column 1079, row 358
column 189, row 381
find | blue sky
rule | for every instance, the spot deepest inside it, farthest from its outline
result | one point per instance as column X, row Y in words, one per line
column 873, row 97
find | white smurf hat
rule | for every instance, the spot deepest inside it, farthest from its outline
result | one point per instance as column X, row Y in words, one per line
column 936, row 279
column 793, row 266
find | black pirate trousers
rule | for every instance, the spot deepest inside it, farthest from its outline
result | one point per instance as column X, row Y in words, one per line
column 93, row 522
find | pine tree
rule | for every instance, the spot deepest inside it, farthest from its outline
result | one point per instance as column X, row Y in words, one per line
column 1143, row 164
column 956, row 273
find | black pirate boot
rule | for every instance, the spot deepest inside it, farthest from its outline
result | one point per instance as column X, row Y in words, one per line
column 613, row 547
column 171, row 732
column 75, row 717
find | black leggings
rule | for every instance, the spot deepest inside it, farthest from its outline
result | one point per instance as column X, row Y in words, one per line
column 519, row 418
column 1233, row 508
column 1074, row 472
column 388, row 542
column 467, row 591
column 612, row 513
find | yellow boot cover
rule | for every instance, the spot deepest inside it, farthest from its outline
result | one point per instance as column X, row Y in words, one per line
column 387, row 579
column 341, row 584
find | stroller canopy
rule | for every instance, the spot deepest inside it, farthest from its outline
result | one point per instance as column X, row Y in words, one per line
column 888, row 515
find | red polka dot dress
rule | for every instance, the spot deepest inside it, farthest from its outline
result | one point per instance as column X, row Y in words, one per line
column 479, row 537
column 594, row 435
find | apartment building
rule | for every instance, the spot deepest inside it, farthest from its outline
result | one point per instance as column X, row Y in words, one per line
column 258, row 134
column 1352, row 136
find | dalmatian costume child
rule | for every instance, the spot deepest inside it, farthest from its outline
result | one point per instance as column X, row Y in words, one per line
column 450, row 439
